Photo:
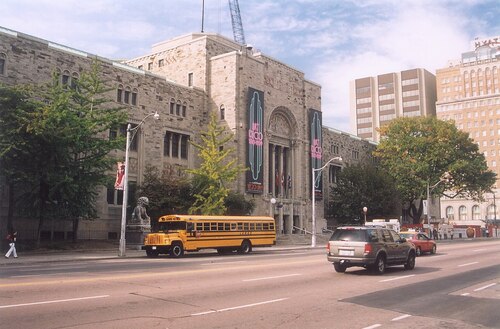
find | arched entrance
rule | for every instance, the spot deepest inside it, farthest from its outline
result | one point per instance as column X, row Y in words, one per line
column 282, row 165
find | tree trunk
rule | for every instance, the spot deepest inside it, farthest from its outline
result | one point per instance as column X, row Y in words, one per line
column 76, row 223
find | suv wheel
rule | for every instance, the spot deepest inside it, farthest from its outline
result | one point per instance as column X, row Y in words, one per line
column 379, row 266
column 340, row 268
column 410, row 262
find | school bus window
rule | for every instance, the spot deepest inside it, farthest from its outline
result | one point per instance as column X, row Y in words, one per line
column 199, row 226
column 226, row 227
column 240, row 226
column 271, row 226
column 213, row 226
column 259, row 226
column 252, row 226
column 220, row 226
column 206, row 226
column 246, row 227
column 266, row 226
column 233, row 226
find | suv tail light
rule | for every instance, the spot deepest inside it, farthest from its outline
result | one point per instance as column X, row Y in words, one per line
column 328, row 247
column 368, row 248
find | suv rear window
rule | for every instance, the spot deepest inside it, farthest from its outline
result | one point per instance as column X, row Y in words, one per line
column 348, row 235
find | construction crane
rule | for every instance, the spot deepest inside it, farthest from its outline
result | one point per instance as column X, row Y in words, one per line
column 239, row 35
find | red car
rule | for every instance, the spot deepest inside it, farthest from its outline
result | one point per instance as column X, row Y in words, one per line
column 421, row 241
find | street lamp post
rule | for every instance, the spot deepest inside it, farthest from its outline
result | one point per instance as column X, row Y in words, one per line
column 446, row 177
column 365, row 210
column 121, row 251
column 313, row 179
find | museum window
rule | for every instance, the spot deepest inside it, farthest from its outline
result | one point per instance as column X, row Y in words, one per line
column 74, row 81
column 134, row 97
column 2, row 64
column 222, row 111
column 449, row 213
column 476, row 212
column 119, row 94
column 184, row 109
column 150, row 66
column 172, row 106
column 190, row 79
column 178, row 107
column 126, row 98
column 65, row 78
column 175, row 145
column 122, row 132
column 161, row 62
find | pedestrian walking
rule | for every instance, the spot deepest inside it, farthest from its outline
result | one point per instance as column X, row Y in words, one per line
column 12, row 238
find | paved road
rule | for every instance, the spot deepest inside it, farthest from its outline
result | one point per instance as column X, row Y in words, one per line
column 287, row 288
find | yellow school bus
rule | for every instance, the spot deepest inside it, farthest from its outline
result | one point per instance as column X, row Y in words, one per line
column 175, row 234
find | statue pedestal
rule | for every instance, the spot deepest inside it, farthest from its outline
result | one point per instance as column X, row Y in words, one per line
column 135, row 235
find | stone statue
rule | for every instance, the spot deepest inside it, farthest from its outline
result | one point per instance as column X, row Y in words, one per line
column 140, row 216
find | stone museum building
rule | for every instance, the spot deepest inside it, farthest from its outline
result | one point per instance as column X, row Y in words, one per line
column 272, row 111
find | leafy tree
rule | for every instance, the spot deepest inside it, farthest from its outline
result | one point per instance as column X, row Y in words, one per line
column 62, row 147
column 168, row 193
column 361, row 186
column 417, row 152
column 215, row 172
column 237, row 205
column 16, row 145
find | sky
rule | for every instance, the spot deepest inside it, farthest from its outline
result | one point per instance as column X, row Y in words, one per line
column 331, row 41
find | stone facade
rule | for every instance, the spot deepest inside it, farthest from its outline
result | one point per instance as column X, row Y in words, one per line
column 187, row 79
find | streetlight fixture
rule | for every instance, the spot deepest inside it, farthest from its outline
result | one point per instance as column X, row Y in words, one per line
column 121, row 251
column 365, row 210
column 313, row 180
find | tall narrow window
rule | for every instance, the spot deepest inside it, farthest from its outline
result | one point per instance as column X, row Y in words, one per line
column 2, row 64
column 126, row 99
column 172, row 106
column 222, row 112
column 184, row 147
column 119, row 94
column 166, row 144
column 134, row 97
column 65, row 78
column 175, row 146
column 190, row 79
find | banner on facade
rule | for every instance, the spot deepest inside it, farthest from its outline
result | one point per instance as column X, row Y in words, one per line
column 120, row 173
column 255, row 142
column 316, row 151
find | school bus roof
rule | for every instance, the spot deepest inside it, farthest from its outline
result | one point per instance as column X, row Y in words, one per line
column 167, row 218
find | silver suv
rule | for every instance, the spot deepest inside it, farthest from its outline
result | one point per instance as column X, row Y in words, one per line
column 374, row 248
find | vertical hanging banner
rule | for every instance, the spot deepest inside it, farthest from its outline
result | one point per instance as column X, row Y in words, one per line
column 120, row 172
column 255, row 142
column 316, row 155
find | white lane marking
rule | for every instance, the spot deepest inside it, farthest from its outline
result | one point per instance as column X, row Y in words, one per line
column 374, row 326
column 50, row 274
column 223, row 263
column 467, row 264
column 241, row 306
column 271, row 277
column 485, row 287
column 53, row 301
column 479, row 250
column 465, row 294
column 397, row 278
column 401, row 317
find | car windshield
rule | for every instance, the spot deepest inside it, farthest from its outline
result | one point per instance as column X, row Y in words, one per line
column 406, row 235
column 348, row 235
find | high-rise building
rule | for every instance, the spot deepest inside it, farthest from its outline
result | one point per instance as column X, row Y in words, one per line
column 375, row 101
column 468, row 92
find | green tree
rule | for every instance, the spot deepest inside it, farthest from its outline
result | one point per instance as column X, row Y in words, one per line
column 216, row 171
column 417, row 152
column 237, row 205
column 62, row 137
column 361, row 186
column 168, row 193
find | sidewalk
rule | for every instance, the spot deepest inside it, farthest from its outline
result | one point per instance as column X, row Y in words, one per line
column 51, row 256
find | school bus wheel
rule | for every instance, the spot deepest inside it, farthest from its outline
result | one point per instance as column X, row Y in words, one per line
column 177, row 250
column 245, row 248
